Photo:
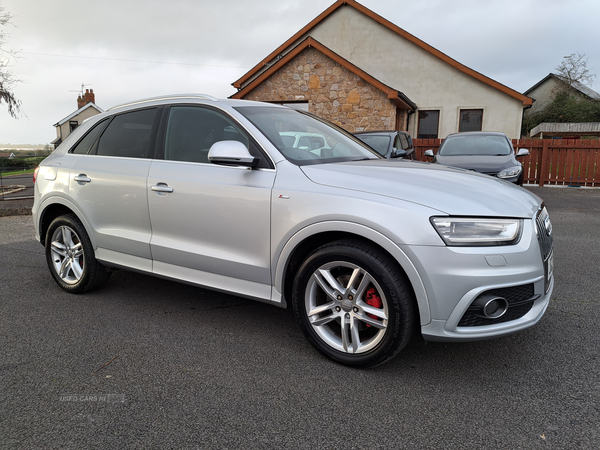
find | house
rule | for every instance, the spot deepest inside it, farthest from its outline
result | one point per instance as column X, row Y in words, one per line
column 545, row 90
column 362, row 72
column 86, row 109
column 543, row 93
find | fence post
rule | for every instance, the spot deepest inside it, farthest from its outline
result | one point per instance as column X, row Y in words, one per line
column 544, row 162
column 1, row 176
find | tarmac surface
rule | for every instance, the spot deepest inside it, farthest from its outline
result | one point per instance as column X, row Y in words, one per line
column 148, row 363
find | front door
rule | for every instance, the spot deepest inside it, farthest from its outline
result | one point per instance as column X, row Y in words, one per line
column 210, row 224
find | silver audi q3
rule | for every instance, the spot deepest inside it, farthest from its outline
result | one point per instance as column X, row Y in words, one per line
column 365, row 250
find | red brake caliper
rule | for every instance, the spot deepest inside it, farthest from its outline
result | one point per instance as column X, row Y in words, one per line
column 374, row 300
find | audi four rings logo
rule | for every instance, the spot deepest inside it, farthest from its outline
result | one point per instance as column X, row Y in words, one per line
column 548, row 225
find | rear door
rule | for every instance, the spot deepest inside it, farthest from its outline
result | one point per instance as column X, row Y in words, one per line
column 108, row 184
column 210, row 223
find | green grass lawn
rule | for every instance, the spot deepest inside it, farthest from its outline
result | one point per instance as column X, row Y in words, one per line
column 18, row 172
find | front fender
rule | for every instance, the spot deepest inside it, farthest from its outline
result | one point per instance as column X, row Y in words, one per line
column 282, row 260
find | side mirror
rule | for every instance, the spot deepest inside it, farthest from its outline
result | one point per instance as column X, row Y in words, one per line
column 398, row 153
column 428, row 153
column 231, row 153
column 522, row 152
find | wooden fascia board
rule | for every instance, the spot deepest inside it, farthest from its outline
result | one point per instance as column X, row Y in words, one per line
column 435, row 52
column 271, row 70
column 391, row 93
column 527, row 101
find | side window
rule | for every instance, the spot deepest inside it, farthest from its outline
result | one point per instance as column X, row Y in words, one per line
column 87, row 143
column 128, row 135
column 191, row 132
column 404, row 142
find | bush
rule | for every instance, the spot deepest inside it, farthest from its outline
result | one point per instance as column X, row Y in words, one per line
column 20, row 163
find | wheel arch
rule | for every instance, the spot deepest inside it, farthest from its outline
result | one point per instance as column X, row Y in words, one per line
column 53, row 208
column 305, row 241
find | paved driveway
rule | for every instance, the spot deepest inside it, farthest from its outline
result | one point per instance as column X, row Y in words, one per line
column 147, row 363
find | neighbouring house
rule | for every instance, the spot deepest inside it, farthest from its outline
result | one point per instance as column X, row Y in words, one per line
column 86, row 109
column 545, row 90
column 540, row 124
column 362, row 72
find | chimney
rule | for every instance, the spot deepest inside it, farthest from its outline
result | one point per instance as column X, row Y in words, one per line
column 89, row 96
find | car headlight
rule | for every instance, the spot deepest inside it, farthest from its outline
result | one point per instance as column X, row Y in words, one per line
column 511, row 172
column 470, row 231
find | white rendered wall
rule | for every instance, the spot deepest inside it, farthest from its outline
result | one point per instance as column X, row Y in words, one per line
column 424, row 78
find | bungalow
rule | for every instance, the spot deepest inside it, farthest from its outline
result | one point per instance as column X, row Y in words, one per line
column 362, row 72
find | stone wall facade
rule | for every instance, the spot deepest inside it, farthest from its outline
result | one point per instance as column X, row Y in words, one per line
column 332, row 92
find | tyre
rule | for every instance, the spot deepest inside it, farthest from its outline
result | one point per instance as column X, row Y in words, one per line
column 353, row 304
column 70, row 256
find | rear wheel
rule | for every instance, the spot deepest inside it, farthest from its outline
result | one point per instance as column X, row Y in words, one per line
column 70, row 256
column 353, row 304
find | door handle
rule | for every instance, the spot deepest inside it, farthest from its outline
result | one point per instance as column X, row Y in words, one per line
column 82, row 178
column 162, row 188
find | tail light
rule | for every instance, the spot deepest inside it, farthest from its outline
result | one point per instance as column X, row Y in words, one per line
column 35, row 172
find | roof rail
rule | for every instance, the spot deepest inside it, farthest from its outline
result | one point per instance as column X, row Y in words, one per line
column 167, row 97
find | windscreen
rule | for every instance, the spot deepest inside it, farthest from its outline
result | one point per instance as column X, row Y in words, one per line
column 378, row 143
column 475, row 145
column 305, row 139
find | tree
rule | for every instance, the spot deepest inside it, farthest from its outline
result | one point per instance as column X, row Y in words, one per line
column 7, row 80
column 573, row 69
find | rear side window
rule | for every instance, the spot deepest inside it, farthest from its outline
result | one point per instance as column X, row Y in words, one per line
column 85, row 145
column 128, row 135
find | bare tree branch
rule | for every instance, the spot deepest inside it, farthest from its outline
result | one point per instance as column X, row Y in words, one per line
column 573, row 69
column 7, row 79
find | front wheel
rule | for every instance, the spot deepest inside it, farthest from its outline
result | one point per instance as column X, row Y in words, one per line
column 70, row 256
column 353, row 304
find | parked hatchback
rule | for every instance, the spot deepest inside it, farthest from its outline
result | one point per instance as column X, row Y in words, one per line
column 481, row 151
column 389, row 144
column 365, row 250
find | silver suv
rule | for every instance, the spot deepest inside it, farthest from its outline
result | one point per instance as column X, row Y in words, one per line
column 365, row 250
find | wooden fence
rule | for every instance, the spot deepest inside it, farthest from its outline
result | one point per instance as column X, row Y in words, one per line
column 566, row 162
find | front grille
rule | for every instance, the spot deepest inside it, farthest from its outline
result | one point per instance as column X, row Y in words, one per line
column 520, row 301
column 544, row 234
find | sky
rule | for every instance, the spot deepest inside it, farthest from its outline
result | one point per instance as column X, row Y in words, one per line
column 132, row 49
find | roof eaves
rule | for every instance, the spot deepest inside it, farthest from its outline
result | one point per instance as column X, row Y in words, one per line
column 539, row 83
column 238, row 83
column 398, row 97
column 80, row 110
column 527, row 101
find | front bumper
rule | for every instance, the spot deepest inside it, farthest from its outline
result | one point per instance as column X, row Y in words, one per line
column 454, row 277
